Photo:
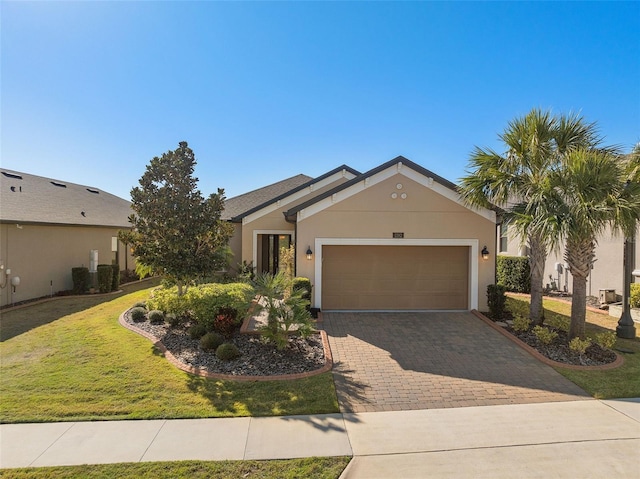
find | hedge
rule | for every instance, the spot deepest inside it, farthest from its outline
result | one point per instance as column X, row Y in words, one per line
column 513, row 273
column 635, row 295
column 80, row 278
column 105, row 277
column 115, row 279
column 204, row 301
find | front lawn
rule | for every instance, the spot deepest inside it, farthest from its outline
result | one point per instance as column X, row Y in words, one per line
column 311, row 468
column 622, row 382
column 85, row 366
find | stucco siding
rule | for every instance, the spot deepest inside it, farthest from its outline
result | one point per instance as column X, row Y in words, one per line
column 42, row 256
column 607, row 270
column 375, row 214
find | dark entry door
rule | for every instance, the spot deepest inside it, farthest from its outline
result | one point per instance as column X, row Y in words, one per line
column 272, row 246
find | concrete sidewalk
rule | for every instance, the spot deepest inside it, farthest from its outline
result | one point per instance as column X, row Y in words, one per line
column 562, row 439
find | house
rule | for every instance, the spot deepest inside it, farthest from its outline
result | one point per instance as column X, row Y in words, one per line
column 397, row 237
column 49, row 226
column 606, row 278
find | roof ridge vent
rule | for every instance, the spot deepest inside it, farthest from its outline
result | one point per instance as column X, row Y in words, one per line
column 12, row 175
column 60, row 185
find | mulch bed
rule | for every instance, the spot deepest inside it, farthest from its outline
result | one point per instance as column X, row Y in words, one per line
column 558, row 350
column 258, row 357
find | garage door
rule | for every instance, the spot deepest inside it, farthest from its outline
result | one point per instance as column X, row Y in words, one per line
column 395, row 277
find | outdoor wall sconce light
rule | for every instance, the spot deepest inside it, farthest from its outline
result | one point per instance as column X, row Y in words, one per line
column 485, row 253
column 309, row 253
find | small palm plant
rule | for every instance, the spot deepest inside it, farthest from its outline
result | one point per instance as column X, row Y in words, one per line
column 286, row 309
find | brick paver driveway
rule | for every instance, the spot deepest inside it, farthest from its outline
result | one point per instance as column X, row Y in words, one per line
column 398, row 361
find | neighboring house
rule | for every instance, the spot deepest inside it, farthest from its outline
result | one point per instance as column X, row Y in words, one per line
column 606, row 273
column 48, row 227
column 397, row 237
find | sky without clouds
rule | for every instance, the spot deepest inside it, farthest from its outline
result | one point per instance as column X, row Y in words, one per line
column 91, row 91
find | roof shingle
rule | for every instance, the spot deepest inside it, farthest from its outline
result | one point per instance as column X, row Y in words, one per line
column 26, row 198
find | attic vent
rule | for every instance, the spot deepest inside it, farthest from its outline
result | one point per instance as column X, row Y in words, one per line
column 95, row 192
column 61, row 185
column 11, row 175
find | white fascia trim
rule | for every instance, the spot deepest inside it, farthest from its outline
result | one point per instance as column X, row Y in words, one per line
column 410, row 173
column 268, row 232
column 471, row 243
column 297, row 195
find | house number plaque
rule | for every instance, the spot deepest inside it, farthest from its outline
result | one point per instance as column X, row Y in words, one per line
column 398, row 235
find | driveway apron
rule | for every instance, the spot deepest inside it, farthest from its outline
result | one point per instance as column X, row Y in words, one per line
column 429, row 360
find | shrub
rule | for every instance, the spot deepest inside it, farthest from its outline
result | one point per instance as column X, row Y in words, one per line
column 496, row 300
column 544, row 335
column 606, row 340
column 197, row 331
column 285, row 315
column 172, row 319
column 211, row 341
column 155, row 316
column 206, row 299
column 80, row 278
column 304, row 285
column 514, row 273
column 521, row 324
column 225, row 321
column 579, row 345
column 227, row 351
column 105, row 273
column 115, row 278
column 167, row 300
column 635, row 295
column 140, row 304
column 138, row 314
column 128, row 275
column 203, row 301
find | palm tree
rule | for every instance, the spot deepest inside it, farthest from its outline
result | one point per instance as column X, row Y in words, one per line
column 594, row 191
column 519, row 183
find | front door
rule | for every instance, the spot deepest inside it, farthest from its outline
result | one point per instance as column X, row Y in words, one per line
column 271, row 247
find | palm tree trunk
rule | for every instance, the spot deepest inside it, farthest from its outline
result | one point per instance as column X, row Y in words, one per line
column 579, row 255
column 537, row 258
column 578, row 307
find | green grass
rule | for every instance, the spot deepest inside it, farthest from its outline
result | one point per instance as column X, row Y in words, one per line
column 85, row 366
column 622, row 382
column 311, row 468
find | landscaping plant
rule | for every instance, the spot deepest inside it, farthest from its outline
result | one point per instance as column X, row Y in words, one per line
column 286, row 309
column 496, row 300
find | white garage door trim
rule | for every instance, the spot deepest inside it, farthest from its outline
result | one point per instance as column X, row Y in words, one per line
column 471, row 243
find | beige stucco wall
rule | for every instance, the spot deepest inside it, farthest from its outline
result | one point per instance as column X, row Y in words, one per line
column 275, row 221
column 235, row 243
column 607, row 271
column 424, row 214
column 42, row 256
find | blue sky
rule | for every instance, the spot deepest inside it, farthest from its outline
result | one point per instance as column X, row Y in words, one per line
column 261, row 91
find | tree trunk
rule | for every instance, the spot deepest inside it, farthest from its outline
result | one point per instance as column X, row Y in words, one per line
column 578, row 307
column 537, row 258
column 579, row 254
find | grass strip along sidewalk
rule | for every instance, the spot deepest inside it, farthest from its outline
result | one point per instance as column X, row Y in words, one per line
column 85, row 366
column 310, row 468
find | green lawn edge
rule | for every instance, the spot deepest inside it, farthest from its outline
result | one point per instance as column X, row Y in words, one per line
column 308, row 468
column 83, row 365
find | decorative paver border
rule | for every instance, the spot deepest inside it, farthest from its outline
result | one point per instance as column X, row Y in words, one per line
column 615, row 364
column 328, row 360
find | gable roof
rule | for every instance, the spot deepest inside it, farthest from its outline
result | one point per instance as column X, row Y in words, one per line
column 242, row 206
column 26, row 198
column 447, row 188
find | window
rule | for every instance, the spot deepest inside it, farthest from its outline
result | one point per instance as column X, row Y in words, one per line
column 504, row 240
